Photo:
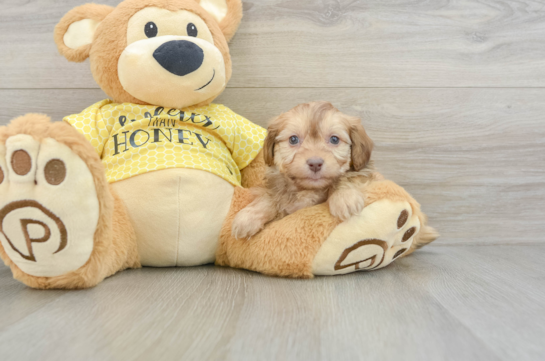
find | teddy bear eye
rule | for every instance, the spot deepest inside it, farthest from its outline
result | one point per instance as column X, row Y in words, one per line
column 192, row 30
column 151, row 30
column 294, row 140
column 334, row 140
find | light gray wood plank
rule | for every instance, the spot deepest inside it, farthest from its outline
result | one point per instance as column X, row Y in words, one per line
column 331, row 43
column 18, row 301
column 56, row 103
column 497, row 292
column 443, row 303
column 472, row 157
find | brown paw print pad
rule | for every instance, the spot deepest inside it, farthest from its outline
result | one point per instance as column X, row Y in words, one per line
column 401, row 221
column 28, row 254
column 370, row 253
column 21, row 163
column 366, row 254
column 55, row 172
column 399, row 253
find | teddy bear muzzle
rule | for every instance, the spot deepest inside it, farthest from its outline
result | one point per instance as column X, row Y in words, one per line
column 172, row 71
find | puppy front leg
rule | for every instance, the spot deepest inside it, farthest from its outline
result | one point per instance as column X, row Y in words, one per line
column 302, row 200
column 346, row 201
column 253, row 217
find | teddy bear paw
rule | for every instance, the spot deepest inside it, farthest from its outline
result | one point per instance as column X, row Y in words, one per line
column 48, row 206
column 373, row 239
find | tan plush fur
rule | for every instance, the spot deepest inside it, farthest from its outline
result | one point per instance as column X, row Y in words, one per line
column 315, row 153
column 285, row 248
column 229, row 25
column 114, row 240
column 110, row 39
column 88, row 11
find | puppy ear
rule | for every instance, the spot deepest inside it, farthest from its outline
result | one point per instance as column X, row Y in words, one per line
column 268, row 146
column 362, row 146
column 74, row 33
column 228, row 14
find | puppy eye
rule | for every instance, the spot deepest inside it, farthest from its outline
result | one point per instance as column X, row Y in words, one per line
column 151, row 30
column 294, row 140
column 334, row 140
column 192, row 30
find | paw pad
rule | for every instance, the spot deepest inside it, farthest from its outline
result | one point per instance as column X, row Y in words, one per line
column 408, row 234
column 383, row 232
column 402, row 219
column 399, row 253
column 374, row 258
column 48, row 206
column 55, row 172
column 369, row 254
column 25, row 222
column 21, row 162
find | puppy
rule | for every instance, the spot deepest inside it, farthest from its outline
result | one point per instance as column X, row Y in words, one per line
column 314, row 154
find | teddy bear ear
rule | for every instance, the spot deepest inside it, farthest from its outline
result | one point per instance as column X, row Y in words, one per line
column 228, row 13
column 74, row 33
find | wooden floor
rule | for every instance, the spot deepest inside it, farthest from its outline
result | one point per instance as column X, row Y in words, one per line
column 445, row 303
column 453, row 94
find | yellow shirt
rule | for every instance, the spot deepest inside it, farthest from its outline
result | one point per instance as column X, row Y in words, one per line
column 132, row 139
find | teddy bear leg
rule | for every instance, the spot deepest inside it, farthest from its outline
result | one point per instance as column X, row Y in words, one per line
column 60, row 224
column 390, row 226
column 285, row 248
column 312, row 242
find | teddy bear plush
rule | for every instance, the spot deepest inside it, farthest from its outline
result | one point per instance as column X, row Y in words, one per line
column 154, row 175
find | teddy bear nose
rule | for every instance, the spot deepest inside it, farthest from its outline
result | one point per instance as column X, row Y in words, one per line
column 180, row 57
column 315, row 164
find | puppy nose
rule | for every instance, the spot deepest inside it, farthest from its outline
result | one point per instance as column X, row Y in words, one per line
column 180, row 57
column 315, row 164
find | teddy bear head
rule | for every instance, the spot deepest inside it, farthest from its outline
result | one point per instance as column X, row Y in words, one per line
column 170, row 53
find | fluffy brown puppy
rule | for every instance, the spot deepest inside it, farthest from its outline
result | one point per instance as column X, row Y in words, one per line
column 315, row 154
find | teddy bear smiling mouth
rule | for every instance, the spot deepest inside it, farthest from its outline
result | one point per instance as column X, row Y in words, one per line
column 207, row 84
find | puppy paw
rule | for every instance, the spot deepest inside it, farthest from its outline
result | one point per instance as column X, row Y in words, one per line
column 246, row 224
column 346, row 203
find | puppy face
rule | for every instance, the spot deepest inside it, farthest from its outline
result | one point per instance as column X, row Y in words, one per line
column 313, row 144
